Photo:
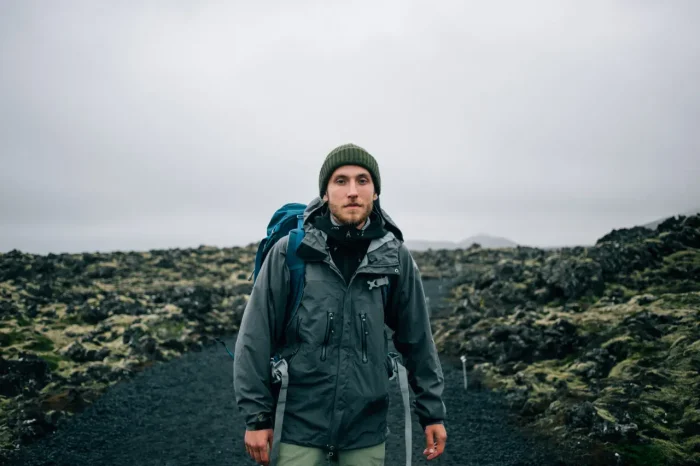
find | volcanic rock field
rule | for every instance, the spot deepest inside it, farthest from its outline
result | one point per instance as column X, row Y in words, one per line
column 595, row 350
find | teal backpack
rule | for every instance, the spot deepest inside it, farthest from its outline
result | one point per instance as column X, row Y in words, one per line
column 288, row 221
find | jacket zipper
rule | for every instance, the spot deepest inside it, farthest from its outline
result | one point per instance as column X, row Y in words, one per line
column 329, row 331
column 333, row 434
column 363, row 318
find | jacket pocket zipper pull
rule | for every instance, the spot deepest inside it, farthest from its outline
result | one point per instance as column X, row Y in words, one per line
column 364, row 337
column 329, row 331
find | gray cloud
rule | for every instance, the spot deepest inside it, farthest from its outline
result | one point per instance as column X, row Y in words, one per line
column 132, row 126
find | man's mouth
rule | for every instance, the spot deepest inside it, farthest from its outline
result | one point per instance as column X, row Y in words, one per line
column 353, row 205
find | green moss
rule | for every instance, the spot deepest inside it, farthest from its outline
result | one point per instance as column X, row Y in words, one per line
column 672, row 451
column 667, row 432
column 686, row 255
column 695, row 347
column 691, row 416
column 169, row 329
column 621, row 339
column 615, row 289
column 23, row 321
column 40, row 343
column 60, row 325
column 680, row 386
column 11, row 338
column 73, row 319
column 657, row 452
column 624, row 369
column 693, row 443
column 568, row 361
column 605, row 414
column 675, row 339
column 682, row 300
column 53, row 360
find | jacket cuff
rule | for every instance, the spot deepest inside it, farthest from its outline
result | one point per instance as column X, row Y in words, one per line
column 260, row 422
column 425, row 422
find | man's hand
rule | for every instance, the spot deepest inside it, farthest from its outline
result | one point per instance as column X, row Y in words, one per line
column 258, row 444
column 435, row 438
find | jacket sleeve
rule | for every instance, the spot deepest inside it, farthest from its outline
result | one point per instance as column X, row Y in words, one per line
column 261, row 326
column 413, row 338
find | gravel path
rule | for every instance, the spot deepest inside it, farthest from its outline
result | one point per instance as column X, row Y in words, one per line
column 183, row 413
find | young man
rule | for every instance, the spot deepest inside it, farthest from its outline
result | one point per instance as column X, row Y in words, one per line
column 336, row 345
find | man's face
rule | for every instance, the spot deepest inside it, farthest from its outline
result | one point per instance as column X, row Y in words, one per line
column 350, row 195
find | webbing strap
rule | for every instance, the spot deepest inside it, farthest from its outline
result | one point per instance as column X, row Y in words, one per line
column 403, row 384
column 279, row 373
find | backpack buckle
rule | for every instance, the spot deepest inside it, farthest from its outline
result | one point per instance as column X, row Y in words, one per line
column 377, row 282
column 394, row 362
column 278, row 367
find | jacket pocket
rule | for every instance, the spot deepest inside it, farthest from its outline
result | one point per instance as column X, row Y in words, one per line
column 327, row 337
column 364, row 332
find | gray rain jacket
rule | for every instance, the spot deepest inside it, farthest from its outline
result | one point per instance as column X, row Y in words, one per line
column 336, row 344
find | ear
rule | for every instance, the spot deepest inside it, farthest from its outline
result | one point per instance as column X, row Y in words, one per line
column 375, row 196
column 325, row 197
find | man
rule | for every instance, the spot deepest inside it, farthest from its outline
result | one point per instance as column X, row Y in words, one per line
column 336, row 345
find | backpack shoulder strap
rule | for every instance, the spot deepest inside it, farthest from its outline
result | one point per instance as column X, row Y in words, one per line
column 296, row 267
column 279, row 366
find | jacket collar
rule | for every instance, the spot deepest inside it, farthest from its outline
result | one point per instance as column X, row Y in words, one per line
column 382, row 253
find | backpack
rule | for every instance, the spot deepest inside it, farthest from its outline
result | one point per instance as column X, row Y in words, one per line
column 288, row 221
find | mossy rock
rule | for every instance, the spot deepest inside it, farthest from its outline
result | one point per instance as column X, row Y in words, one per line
column 23, row 321
column 39, row 343
column 53, row 360
column 682, row 300
column 656, row 452
column 10, row 338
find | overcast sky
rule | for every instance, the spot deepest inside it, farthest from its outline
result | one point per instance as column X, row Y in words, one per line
column 138, row 125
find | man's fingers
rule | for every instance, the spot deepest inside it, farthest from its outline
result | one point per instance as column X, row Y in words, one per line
column 436, row 437
column 429, row 441
column 429, row 438
column 441, row 440
column 258, row 445
column 440, row 447
column 265, row 449
column 264, row 456
column 256, row 452
column 257, row 456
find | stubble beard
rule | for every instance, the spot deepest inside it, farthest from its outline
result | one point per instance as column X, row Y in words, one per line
column 354, row 221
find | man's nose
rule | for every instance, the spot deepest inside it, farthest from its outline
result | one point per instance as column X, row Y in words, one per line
column 352, row 189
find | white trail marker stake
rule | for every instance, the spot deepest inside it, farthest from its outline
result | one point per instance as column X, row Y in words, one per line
column 464, row 369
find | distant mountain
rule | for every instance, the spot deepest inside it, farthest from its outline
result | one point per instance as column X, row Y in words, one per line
column 485, row 241
column 656, row 223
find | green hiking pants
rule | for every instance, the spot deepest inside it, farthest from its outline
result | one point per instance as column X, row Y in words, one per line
column 294, row 455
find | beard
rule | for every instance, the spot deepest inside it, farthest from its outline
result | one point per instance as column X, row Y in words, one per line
column 351, row 217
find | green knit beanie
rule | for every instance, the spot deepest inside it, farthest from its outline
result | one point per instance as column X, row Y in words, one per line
column 348, row 154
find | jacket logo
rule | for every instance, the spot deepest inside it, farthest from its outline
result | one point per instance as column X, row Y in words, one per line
column 377, row 282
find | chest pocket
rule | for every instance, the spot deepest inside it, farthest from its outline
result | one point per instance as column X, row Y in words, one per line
column 369, row 316
column 320, row 309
